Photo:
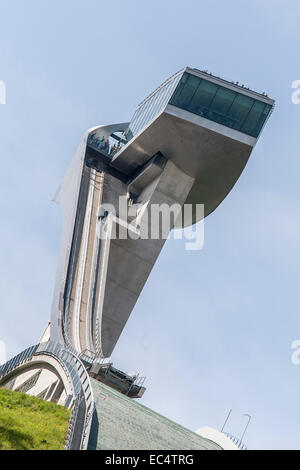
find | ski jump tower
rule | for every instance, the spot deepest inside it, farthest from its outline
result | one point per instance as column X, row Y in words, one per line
column 186, row 145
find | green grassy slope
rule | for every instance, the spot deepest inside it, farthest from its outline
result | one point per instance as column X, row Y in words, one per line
column 28, row 423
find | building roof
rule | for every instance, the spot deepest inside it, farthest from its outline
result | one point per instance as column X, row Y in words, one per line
column 121, row 423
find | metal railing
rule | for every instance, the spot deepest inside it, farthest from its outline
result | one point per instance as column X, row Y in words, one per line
column 108, row 146
column 83, row 403
column 236, row 441
column 22, row 358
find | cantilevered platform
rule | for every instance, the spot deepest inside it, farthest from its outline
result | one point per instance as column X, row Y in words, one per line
column 187, row 143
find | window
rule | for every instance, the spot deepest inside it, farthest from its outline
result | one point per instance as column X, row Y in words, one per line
column 223, row 100
column 206, row 99
column 256, row 118
column 188, row 91
column 203, row 97
column 220, row 104
column 253, row 117
column 239, row 109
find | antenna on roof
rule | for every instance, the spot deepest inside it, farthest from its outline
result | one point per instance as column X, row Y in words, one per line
column 226, row 420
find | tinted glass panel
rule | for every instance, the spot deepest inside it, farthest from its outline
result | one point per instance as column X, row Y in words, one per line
column 254, row 117
column 239, row 110
column 223, row 100
column 180, row 86
column 263, row 118
column 204, row 95
column 220, row 104
column 188, row 91
column 204, row 98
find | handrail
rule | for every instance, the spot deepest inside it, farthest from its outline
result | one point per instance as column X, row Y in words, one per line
column 17, row 361
column 83, row 406
column 236, row 441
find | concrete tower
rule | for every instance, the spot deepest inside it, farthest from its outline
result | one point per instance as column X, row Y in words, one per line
column 185, row 147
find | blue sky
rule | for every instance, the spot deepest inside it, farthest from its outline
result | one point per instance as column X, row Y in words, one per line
column 212, row 329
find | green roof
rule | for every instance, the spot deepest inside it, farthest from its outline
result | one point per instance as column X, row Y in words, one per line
column 121, row 423
column 29, row 423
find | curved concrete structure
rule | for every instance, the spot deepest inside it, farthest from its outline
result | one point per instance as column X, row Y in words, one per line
column 218, row 437
column 213, row 155
column 175, row 151
column 186, row 144
column 54, row 374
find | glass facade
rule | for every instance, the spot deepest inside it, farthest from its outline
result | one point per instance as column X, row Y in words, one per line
column 219, row 104
column 204, row 98
column 151, row 106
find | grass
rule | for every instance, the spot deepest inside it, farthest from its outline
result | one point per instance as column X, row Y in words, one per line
column 29, row 423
